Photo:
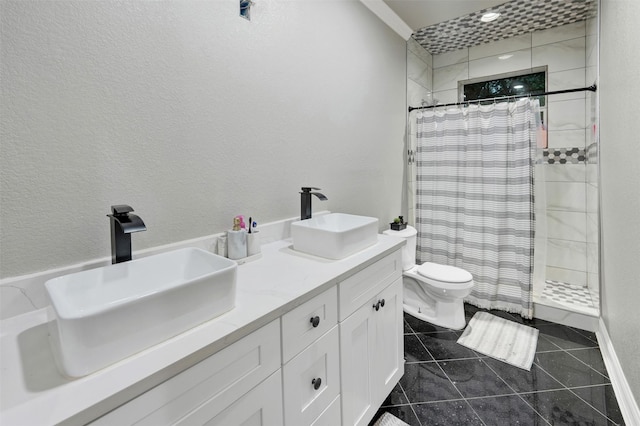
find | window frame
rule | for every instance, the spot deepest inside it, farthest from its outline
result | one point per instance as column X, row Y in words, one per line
column 510, row 74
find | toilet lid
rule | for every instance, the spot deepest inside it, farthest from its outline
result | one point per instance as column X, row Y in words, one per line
column 444, row 273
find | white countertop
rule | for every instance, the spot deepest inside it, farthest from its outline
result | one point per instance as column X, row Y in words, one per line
column 33, row 392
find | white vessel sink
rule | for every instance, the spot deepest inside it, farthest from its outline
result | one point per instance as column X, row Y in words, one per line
column 334, row 235
column 106, row 314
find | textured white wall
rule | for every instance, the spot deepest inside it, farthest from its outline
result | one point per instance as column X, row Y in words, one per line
column 191, row 115
column 619, row 90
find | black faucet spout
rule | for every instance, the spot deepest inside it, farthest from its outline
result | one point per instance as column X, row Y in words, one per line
column 305, row 201
column 123, row 225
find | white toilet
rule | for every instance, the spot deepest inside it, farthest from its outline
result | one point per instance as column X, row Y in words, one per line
column 432, row 292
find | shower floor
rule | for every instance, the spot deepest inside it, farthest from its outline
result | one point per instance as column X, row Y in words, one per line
column 574, row 297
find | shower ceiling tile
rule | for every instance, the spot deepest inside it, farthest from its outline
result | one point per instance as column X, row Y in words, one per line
column 517, row 17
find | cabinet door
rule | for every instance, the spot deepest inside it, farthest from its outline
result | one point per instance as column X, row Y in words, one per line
column 371, row 355
column 357, row 354
column 389, row 342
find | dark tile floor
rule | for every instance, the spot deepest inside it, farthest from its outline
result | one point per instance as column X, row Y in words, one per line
column 447, row 384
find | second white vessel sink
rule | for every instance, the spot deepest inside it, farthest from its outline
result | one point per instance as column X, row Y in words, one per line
column 106, row 314
column 334, row 235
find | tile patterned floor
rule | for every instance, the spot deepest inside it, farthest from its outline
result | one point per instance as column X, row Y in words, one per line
column 447, row 384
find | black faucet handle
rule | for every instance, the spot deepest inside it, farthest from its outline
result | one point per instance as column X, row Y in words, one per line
column 121, row 209
column 310, row 188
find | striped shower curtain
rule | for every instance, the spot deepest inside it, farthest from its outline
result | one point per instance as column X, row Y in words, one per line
column 474, row 206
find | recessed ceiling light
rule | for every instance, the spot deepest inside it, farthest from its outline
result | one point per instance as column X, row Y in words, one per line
column 503, row 57
column 490, row 16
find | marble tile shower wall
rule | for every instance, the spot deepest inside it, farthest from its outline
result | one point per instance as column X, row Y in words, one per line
column 419, row 88
column 569, row 53
column 591, row 175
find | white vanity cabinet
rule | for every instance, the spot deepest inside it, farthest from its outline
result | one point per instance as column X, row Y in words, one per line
column 371, row 338
column 329, row 361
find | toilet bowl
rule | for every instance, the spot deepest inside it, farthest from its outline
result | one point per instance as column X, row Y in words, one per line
column 432, row 292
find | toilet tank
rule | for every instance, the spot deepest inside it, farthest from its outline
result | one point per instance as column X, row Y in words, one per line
column 409, row 249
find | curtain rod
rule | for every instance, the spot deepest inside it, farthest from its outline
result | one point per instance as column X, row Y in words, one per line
column 591, row 88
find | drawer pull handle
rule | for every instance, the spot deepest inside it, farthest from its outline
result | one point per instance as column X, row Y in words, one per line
column 316, row 383
column 315, row 321
column 379, row 305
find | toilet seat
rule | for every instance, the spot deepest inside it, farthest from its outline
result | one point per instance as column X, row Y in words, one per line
column 444, row 273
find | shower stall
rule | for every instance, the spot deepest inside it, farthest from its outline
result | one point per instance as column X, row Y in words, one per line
column 566, row 256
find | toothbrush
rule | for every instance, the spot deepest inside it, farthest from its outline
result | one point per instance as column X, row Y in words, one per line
column 250, row 224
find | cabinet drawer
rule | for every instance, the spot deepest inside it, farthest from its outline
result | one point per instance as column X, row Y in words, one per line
column 261, row 406
column 362, row 286
column 303, row 403
column 218, row 381
column 298, row 329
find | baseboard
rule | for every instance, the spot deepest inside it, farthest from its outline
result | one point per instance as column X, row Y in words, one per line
column 626, row 401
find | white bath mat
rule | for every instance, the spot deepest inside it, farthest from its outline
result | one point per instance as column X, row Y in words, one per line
column 501, row 339
column 387, row 419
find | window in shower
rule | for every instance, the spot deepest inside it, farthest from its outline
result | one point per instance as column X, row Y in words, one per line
column 529, row 82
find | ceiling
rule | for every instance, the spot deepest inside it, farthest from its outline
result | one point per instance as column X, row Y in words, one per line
column 422, row 13
column 444, row 25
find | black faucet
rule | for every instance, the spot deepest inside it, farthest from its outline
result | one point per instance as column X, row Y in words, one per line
column 122, row 225
column 305, row 201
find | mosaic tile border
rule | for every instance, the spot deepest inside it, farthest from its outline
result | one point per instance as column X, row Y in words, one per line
column 564, row 156
column 516, row 19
